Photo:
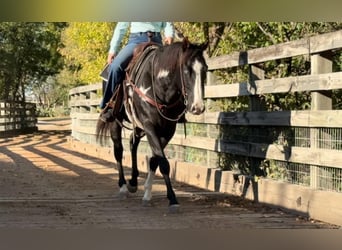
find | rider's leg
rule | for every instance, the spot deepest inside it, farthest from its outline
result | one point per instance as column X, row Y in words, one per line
column 116, row 76
column 117, row 72
column 118, row 66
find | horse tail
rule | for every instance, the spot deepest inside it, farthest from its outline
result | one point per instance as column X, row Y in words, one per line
column 102, row 129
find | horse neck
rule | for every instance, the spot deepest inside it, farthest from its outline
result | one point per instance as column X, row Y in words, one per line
column 169, row 89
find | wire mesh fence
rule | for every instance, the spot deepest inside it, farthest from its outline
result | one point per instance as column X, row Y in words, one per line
column 324, row 178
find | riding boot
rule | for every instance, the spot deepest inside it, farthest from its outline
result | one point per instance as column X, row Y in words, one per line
column 107, row 115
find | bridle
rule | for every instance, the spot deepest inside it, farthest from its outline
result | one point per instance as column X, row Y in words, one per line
column 184, row 96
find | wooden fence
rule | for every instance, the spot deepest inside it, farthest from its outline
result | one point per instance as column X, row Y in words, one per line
column 17, row 117
column 301, row 146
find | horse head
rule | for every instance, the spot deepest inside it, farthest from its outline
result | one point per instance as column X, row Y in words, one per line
column 193, row 76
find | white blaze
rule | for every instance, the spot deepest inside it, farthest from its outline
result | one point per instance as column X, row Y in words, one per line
column 198, row 102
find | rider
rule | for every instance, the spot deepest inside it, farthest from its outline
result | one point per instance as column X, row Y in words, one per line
column 140, row 32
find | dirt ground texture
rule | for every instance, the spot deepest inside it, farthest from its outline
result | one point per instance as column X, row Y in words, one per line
column 44, row 184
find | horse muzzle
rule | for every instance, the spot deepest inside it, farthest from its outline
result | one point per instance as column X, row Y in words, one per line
column 197, row 108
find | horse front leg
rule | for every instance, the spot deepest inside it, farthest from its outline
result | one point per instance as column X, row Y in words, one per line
column 146, row 201
column 164, row 167
column 118, row 154
column 159, row 159
column 133, row 182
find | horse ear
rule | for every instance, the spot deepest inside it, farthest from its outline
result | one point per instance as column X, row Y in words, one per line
column 186, row 43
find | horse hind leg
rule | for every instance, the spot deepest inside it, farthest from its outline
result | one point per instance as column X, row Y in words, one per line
column 118, row 154
column 123, row 187
column 123, row 193
column 133, row 182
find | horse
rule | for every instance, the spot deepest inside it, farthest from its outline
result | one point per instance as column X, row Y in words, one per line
column 169, row 83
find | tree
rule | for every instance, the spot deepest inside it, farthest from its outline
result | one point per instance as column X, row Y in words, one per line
column 225, row 38
column 29, row 53
column 85, row 50
column 51, row 97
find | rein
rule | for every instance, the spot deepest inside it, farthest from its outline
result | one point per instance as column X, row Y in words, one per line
column 145, row 97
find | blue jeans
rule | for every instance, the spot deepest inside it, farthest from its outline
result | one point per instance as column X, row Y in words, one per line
column 120, row 62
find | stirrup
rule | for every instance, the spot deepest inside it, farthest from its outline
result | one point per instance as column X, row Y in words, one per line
column 107, row 115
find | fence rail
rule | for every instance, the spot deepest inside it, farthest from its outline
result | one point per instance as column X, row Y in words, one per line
column 17, row 117
column 299, row 146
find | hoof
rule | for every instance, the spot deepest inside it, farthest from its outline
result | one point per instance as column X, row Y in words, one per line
column 123, row 195
column 132, row 189
column 174, row 209
column 147, row 203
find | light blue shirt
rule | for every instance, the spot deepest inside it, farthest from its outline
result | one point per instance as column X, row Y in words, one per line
column 136, row 27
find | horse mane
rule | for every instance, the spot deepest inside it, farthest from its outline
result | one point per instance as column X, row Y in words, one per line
column 169, row 56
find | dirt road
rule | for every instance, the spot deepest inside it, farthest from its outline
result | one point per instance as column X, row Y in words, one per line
column 44, row 184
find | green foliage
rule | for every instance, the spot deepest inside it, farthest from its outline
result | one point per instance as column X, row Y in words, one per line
column 29, row 53
column 85, row 51
column 226, row 37
column 51, row 97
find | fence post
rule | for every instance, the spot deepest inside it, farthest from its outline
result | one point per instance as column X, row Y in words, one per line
column 93, row 96
column 320, row 100
column 211, row 80
column 255, row 104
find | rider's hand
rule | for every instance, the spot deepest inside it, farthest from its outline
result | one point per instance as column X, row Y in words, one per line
column 110, row 58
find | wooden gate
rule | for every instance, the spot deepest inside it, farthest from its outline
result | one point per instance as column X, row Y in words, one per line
column 17, row 117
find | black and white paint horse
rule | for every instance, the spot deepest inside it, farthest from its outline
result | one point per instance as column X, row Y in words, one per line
column 169, row 83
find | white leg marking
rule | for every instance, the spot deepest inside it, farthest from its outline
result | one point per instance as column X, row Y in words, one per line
column 123, row 194
column 148, row 186
column 123, row 189
column 163, row 73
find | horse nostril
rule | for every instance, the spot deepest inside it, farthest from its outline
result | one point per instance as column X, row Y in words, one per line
column 193, row 109
column 197, row 109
